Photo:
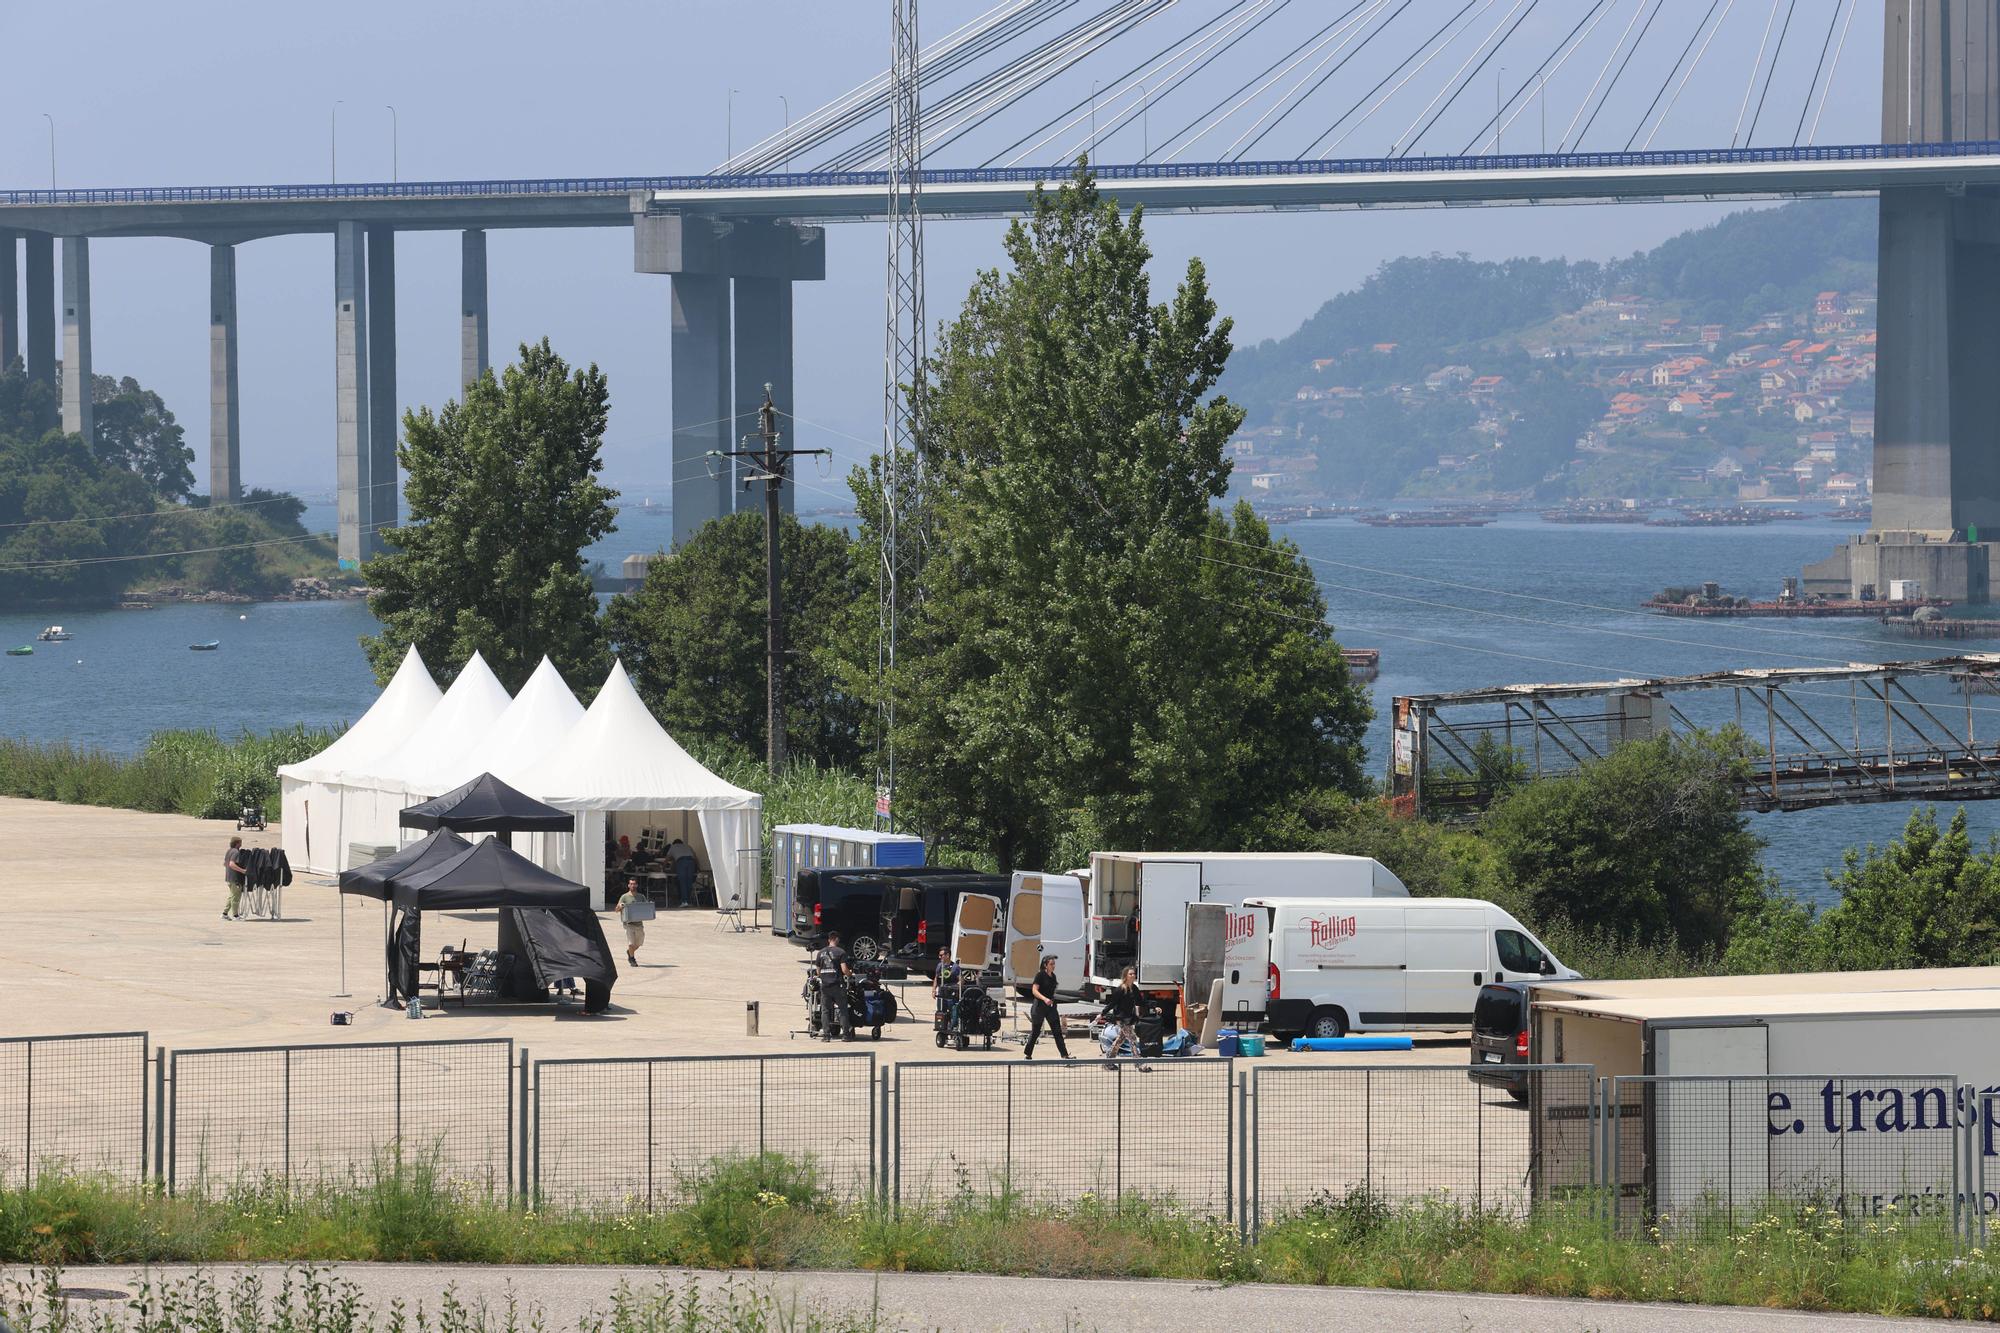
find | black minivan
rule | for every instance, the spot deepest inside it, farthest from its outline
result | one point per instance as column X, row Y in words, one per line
column 849, row 900
column 1500, row 1036
column 918, row 910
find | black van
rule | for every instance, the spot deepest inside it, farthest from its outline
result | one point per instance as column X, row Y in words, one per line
column 850, row 901
column 1500, row 1036
column 918, row 907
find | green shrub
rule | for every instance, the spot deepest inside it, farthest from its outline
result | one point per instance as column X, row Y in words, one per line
column 186, row 772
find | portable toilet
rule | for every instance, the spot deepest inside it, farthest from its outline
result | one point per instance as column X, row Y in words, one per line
column 796, row 847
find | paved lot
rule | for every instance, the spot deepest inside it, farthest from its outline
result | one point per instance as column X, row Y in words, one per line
column 113, row 922
column 1004, row 1305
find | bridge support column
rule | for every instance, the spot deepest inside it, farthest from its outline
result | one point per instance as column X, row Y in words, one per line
column 225, row 429
column 40, row 321
column 79, row 416
column 716, row 393
column 350, row 392
column 472, row 332
column 10, row 300
column 384, row 499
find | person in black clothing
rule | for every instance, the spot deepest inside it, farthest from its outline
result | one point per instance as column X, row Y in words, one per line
column 834, row 970
column 1124, row 1006
column 1043, row 991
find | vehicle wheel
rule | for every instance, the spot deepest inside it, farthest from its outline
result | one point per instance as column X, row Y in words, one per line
column 940, row 1040
column 989, row 1043
column 878, row 1032
column 960, row 1042
column 1520, row 1096
column 1326, row 1023
column 867, row 949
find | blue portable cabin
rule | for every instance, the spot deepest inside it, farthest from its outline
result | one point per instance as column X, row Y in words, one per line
column 796, row 847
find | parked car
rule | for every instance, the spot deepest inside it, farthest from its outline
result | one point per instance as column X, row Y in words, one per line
column 917, row 910
column 1500, row 1037
column 826, row 900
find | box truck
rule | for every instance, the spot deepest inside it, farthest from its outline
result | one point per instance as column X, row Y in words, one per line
column 1137, row 901
column 1340, row 965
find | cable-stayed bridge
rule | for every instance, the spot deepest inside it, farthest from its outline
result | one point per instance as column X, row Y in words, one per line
column 1256, row 105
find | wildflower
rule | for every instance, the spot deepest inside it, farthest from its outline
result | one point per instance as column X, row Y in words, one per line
column 1570, row 1250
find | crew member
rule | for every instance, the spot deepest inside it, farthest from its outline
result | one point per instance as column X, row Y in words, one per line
column 1043, row 992
column 1124, row 1006
column 834, row 970
column 635, row 926
column 232, row 879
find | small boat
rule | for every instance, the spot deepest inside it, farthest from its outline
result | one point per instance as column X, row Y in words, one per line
column 208, row 647
column 25, row 650
column 54, row 634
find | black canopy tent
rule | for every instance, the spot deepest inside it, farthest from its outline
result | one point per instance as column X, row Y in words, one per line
column 488, row 805
column 372, row 880
column 546, row 923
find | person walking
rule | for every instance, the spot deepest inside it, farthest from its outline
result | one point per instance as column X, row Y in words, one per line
column 1042, row 990
column 635, row 925
column 834, row 969
column 232, row 879
column 682, row 856
column 1123, row 1006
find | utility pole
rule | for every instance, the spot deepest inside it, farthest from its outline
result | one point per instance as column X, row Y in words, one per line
column 772, row 464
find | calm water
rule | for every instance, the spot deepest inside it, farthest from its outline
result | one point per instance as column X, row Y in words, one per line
column 1435, row 602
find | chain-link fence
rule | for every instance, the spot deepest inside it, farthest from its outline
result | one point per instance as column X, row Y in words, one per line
column 634, row 1132
column 73, row 1105
column 335, row 1114
column 1051, row 1132
column 1735, row 1146
column 1319, row 1135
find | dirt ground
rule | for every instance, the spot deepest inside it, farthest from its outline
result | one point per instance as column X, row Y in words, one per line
column 113, row 922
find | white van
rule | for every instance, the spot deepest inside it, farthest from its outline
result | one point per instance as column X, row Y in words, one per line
column 1138, row 900
column 1043, row 915
column 1340, row 965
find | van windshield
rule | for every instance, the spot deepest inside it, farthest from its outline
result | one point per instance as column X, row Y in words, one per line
column 1518, row 953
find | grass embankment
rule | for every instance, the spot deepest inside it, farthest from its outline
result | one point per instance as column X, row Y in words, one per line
column 175, row 772
column 769, row 1213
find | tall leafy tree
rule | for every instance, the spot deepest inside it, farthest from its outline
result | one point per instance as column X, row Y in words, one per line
column 1094, row 658
column 135, row 430
column 503, row 499
column 692, row 635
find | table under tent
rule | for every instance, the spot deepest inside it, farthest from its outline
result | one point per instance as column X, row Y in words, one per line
column 549, row 939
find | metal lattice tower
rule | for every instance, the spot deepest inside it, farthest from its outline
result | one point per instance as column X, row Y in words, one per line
column 902, row 366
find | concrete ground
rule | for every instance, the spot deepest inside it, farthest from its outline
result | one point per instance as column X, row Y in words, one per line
column 113, row 922
column 1004, row 1305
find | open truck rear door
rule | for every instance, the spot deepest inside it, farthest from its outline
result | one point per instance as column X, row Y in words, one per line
column 975, row 923
column 1165, row 890
column 1045, row 916
column 1231, row 944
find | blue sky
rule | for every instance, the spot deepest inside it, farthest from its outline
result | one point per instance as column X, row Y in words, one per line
column 206, row 92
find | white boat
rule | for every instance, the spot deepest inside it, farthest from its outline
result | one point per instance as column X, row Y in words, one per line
column 53, row 634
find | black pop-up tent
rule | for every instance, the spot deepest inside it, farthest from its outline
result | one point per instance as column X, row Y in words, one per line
column 488, row 805
column 545, row 921
column 372, row 880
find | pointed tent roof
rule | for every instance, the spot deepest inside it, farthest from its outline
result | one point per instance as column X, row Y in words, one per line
column 402, row 707
column 531, row 729
column 619, row 758
column 487, row 874
column 487, row 805
column 460, row 721
column 372, row 880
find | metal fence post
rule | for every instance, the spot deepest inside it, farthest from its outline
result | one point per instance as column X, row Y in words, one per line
column 1118, row 1121
column 521, row 1177
column 535, row 1192
column 1007, row 1160
column 1228, row 1138
column 872, row 1062
column 760, row 1107
column 398, row 1140
column 174, row 1116
column 288, row 1114
column 28, row 1126
column 896, row 1143
column 160, row 1114
column 1256, row 1159
column 650, row 1142
column 1242, row 1083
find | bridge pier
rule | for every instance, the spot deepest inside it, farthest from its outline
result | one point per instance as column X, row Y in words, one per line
column 225, row 427
column 384, row 489
column 724, row 354
column 10, row 300
column 350, row 393
column 40, row 321
column 472, row 331
column 79, row 415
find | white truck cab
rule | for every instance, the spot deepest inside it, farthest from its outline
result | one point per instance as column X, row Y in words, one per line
column 1340, row 965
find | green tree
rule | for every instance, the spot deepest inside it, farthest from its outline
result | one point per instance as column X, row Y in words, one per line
column 1926, row 900
column 692, row 635
column 135, row 431
column 503, row 498
column 1094, row 658
column 1646, row 844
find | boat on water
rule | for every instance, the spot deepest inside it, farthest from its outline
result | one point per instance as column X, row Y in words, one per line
column 25, row 650
column 208, row 647
column 54, row 634
column 1429, row 518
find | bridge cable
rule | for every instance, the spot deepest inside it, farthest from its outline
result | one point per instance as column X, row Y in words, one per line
column 1575, row 46
column 1206, row 119
column 1380, row 102
column 1466, row 81
column 1827, row 88
column 1231, row 153
column 1674, row 101
column 1805, row 106
column 1563, row 143
column 1679, row 60
column 1261, row 10
column 1493, row 121
column 973, row 115
column 1603, row 101
column 1776, row 53
column 1755, row 66
column 1321, row 81
column 1396, row 143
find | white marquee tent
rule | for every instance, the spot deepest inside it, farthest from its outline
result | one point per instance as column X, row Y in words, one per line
column 375, row 792
column 309, row 800
column 516, row 747
column 621, row 771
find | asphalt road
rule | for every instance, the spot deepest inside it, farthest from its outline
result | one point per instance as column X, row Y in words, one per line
column 910, row 1301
